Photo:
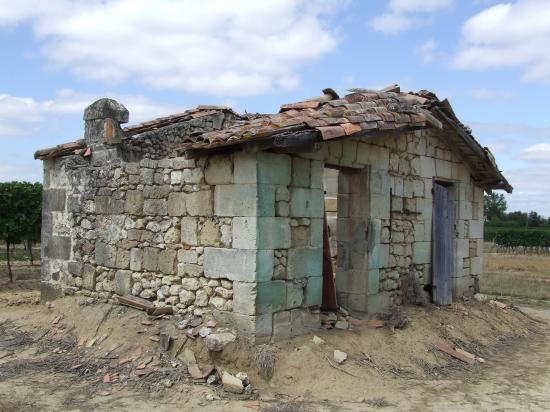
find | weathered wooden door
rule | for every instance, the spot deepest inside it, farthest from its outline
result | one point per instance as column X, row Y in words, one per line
column 442, row 244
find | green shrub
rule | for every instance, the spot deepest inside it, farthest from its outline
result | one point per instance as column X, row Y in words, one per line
column 514, row 237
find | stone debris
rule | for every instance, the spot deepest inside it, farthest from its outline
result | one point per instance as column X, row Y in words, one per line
column 215, row 342
column 498, row 304
column 339, row 356
column 231, row 383
column 204, row 332
column 317, row 340
column 480, row 297
column 341, row 324
column 243, row 377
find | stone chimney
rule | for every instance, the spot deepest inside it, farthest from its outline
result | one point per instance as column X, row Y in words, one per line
column 102, row 120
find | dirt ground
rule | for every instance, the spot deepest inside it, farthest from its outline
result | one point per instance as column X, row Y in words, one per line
column 42, row 367
column 516, row 275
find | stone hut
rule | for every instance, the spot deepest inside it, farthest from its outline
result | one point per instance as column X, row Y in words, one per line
column 214, row 211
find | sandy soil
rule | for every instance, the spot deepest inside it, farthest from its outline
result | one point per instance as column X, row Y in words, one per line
column 43, row 368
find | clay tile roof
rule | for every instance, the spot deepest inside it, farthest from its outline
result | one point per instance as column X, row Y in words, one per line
column 77, row 147
column 360, row 113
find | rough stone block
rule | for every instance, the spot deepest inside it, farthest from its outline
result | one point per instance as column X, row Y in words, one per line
column 294, row 294
column 236, row 200
column 150, row 258
column 313, row 293
column 422, row 252
column 199, row 203
column 257, row 329
column 105, row 255
column 305, row 262
column 245, row 167
column 102, row 205
column 219, row 170
column 281, row 325
column 155, row 207
column 167, row 262
column 261, row 233
column 123, row 259
column 238, row 264
column 135, row 259
column 316, row 232
column 244, row 298
column 54, row 200
column 373, row 282
column 176, row 204
column 270, row 296
column 189, row 230
column 123, row 282
column 303, row 321
column 58, row 247
column 443, row 168
column 209, row 234
column 88, row 277
column 133, row 204
column 306, row 202
column 274, row 168
column 316, row 176
column 301, row 170
column 476, row 265
column 476, row 229
column 75, row 268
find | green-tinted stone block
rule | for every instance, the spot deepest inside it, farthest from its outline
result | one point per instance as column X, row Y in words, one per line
column 266, row 200
column 305, row 262
column 374, row 281
column 264, row 265
column 307, row 202
column 270, row 296
column 294, row 294
column 300, row 172
column 314, row 291
column 274, row 168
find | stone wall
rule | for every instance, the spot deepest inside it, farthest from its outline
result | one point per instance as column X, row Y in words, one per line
column 241, row 234
column 402, row 168
column 136, row 227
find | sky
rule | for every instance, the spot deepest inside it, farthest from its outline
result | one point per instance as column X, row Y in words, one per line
column 491, row 59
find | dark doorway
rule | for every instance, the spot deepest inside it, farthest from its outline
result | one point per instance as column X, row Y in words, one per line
column 442, row 243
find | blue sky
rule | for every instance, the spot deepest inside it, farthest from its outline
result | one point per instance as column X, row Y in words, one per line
column 490, row 58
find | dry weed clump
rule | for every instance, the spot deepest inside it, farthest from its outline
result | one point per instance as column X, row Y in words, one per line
column 265, row 359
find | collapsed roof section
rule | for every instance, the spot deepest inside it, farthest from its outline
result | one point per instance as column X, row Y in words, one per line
column 362, row 113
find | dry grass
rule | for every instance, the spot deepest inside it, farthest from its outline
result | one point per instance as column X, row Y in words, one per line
column 516, row 275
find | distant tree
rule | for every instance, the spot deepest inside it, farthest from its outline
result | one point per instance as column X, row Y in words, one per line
column 517, row 218
column 20, row 214
column 534, row 219
column 494, row 206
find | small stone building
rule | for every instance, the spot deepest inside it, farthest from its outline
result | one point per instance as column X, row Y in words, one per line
column 211, row 210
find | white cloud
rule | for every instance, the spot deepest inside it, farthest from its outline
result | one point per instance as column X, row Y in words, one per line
column 20, row 116
column 218, row 47
column 540, row 151
column 401, row 15
column 427, row 51
column 530, row 193
column 483, row 93
column 29, row 172
column 509, row 35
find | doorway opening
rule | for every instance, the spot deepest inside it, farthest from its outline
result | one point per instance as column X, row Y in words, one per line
column 347, row 214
